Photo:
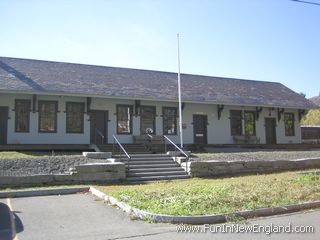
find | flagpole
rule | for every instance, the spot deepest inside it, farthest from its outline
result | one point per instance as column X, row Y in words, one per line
column 179, row 93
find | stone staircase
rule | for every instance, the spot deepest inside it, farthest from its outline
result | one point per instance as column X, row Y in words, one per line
column 153, row 167
column 130, row 148
column 135, row 148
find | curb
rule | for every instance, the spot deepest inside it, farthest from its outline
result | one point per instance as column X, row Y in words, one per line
column 44, row 192
column 207, row 219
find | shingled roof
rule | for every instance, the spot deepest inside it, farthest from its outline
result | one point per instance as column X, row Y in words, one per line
column 35, row 76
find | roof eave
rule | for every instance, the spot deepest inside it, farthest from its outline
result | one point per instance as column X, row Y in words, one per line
column 150, row 99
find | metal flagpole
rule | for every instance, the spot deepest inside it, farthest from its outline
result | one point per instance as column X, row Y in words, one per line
column 179, row 93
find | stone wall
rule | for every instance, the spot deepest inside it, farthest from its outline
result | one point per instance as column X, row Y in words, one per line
column 86, row 173
column 219, row 168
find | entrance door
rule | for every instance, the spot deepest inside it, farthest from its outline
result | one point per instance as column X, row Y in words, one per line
column 271, row 136
column 200, row 129
column 3, row 124
column 98, row 127
column 147, row 119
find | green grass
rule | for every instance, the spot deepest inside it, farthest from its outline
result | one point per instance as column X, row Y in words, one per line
column 215, row 196
column 18, row 155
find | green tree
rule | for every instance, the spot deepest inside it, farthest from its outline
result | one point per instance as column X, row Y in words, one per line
column 311, row 118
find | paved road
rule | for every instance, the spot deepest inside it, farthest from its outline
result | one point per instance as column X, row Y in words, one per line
column 82, row 217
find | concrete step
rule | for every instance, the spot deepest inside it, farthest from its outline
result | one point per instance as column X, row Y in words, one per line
column 130, row 153
column 149, row 155
column 151, row 167
column 160, row 162
column 130, row 148
column 135, row 148
column 162, row 169
column 151, row 174
column 150, row 159
column 156, row 178
column 140, row 166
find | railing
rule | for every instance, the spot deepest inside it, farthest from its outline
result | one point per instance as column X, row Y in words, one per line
column 115, row 140
column 175, row 150
column 97, row 131
column 148, row 142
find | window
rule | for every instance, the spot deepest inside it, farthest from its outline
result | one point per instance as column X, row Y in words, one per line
column 22, row 115
column 48, row 116
column 169, row 120
column 74, row 116
column 124, row 119
column 249, row 123
column 289, row 124
column 236, row 122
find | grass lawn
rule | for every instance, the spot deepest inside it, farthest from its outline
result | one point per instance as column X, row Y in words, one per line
column 225, row 195
column 18, row 155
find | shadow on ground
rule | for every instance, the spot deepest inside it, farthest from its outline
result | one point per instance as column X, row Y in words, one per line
column 10, row 223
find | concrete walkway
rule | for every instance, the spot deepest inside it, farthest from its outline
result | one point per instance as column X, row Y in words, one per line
column 77, row 216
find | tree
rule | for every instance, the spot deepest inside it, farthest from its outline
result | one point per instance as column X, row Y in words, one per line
column 311, row 118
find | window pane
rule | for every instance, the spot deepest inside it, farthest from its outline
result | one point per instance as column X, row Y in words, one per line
column 249, row 123
column 124, row 119
column 74, row 114
column 236, row 122
column 170, row 121
column 22, row 111
column 47, row 116
column 289, row 124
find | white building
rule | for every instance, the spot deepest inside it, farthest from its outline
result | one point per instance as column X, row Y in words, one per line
column 45, row 102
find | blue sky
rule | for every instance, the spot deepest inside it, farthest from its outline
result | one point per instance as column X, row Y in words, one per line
column 269, row 40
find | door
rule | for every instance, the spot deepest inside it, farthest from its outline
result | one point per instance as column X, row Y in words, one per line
column 271, row 136
column 200, row 129
column 98, row 127
column 3, row 124
column 147, row 119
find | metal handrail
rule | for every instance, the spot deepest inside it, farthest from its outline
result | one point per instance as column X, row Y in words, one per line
column 148, row 142
column 169, row 140
column 121, row 148
column 176, row 147
column 100, row 134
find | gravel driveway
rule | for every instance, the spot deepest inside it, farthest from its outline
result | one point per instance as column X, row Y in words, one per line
column 42, row 165
column 257, row 156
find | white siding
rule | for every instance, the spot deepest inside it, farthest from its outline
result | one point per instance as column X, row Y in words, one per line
column 218, row 130
column 34, row 137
